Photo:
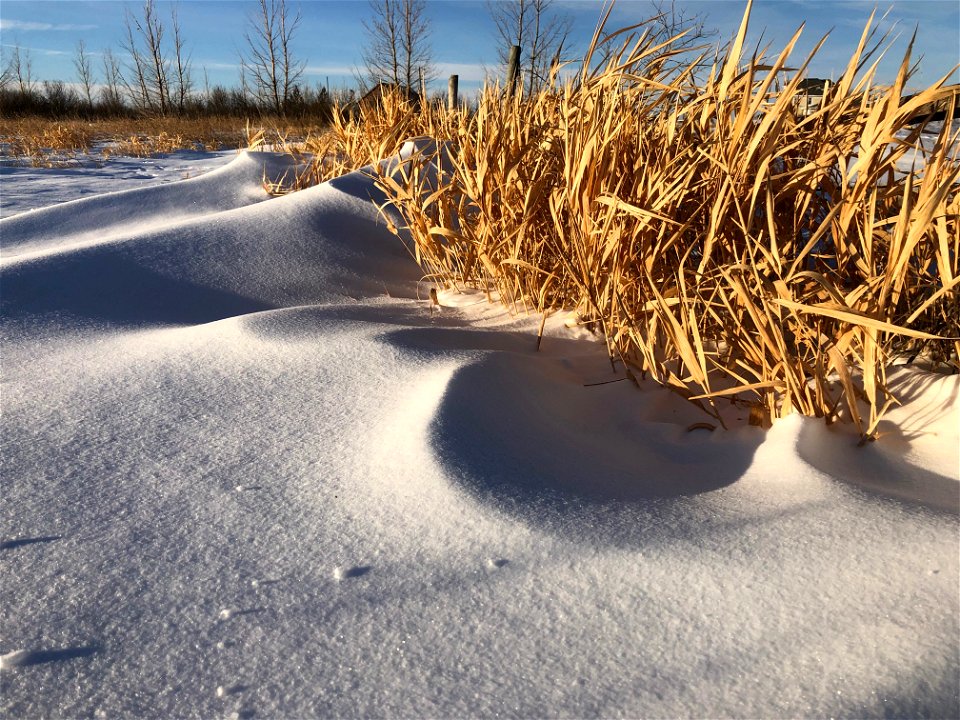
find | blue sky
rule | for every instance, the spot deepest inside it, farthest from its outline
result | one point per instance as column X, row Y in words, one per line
column 331, row 35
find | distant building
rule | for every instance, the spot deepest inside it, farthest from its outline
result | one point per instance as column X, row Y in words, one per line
column 373, row 98
column 936, row 110
column 810, row 94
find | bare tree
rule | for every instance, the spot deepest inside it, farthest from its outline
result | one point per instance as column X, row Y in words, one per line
column 135, row 80
column 381, row 53
column 84, row 66
column 670, row 19
column 398, row 42
column 6, row 70
column 159, row 72
column 20, row 68
column 149, row 87
column 539, row 31
column 110, row 95
column 269, row 63
column 181, row 64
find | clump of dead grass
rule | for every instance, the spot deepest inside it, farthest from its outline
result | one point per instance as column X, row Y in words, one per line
column 723, row 245
column 359, row 136
column 48, row 144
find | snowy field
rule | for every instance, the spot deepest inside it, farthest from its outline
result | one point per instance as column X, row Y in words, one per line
column 249, row 470
column 27, row 188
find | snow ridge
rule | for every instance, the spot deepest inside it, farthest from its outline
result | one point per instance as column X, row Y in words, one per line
column 250, row 470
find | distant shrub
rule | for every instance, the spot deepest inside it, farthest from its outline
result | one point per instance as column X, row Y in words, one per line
column 56, row 100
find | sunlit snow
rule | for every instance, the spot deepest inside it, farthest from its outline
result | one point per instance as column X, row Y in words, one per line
column 250, row 469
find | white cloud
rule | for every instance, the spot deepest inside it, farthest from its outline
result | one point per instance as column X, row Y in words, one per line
column 468, row 72
column 328, row 70
column 27, row 26
column 215, row 65
column 38, row 51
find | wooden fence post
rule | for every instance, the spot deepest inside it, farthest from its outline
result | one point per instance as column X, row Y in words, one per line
column 452, row 92
column 513, row 69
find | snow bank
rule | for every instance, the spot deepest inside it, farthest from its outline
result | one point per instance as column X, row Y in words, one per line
column 250, row 469
column 28, row 188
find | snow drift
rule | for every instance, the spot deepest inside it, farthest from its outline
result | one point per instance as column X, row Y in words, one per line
column 248, row 470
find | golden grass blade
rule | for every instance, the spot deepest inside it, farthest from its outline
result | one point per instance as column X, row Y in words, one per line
column 713, row 235
column 853, row 317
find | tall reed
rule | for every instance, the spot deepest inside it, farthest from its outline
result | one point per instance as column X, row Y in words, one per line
column 722, row 243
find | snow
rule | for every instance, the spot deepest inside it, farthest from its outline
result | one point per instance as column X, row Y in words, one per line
column 251, row 470
column 913, row 160
column 28, row 188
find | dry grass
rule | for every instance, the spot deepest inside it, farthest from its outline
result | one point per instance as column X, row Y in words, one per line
column 362, row 137
column 722, row 244
column 42, row 142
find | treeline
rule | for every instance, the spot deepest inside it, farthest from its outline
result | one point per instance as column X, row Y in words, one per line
column 58, row 100
column 156, row 76
column 152, row 72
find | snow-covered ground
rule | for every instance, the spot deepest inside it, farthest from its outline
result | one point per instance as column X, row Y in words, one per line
column 25, row 188
column 914, row 160
column 249, row 470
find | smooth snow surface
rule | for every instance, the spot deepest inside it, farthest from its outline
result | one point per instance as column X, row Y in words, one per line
column 249, row 470
column 28, row 188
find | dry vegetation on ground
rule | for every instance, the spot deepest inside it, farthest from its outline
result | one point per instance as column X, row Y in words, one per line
column 721, row 243
column 43, row 142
